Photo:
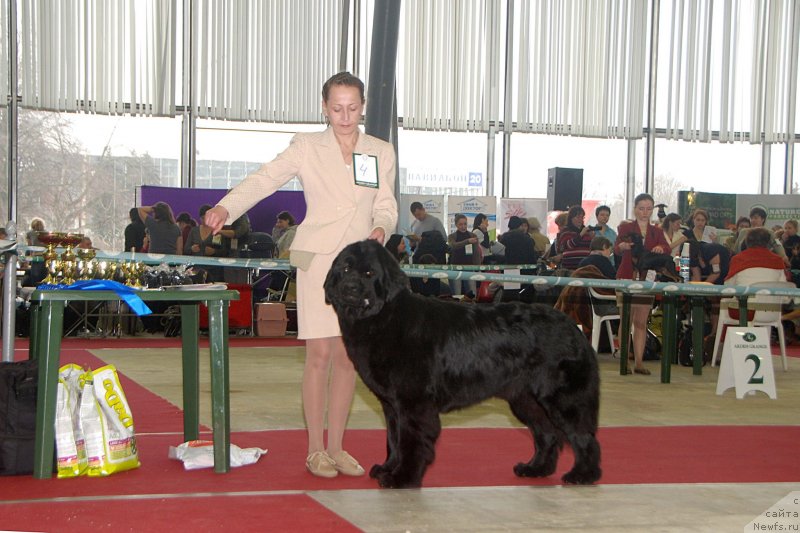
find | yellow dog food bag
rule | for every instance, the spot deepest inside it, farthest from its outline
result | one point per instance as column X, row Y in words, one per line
column 107, row 424
column 70, row 444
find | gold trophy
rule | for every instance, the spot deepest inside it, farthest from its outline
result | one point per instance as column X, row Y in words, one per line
column 51, row 239
column 69, row 265
column 86, row 263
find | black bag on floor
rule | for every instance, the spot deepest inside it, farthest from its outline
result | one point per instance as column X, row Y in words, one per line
column 18, row 384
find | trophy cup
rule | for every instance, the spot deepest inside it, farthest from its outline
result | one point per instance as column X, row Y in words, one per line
column 69, row 264
column 51, row 240
column 86, row 263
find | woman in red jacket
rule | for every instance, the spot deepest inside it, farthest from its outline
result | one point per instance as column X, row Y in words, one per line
column 654, row 241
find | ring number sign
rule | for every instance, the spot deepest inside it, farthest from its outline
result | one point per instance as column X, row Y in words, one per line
column 747, row 362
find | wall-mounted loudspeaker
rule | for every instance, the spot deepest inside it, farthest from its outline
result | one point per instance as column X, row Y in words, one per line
column 564, row 188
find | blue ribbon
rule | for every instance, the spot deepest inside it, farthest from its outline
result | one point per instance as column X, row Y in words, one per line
column 127, row 294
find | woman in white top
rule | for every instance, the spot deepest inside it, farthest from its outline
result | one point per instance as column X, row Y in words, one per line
column 702, row 231
column 673, row 232
column 480, row 228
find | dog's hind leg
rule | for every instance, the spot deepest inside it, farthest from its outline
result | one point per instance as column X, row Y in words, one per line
column 390, row 416
column 545, row 437
column 579, row 424
column 418, row 428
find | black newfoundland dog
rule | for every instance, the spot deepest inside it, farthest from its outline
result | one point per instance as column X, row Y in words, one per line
column 422, row 356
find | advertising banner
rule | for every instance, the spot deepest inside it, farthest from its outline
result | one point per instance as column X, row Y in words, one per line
column 471, row 206
column 521, row 207
column 779, row 207
column 722, row 207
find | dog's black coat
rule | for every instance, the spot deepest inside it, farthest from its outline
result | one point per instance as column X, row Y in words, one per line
column 422, row 356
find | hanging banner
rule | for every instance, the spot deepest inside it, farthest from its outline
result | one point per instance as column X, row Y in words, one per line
column 521, row 207
column 779, row 207
column 471, row 206
column 721, row 207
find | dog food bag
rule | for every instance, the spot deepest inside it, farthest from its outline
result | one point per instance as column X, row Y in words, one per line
column 70, row 444
column 107, row 424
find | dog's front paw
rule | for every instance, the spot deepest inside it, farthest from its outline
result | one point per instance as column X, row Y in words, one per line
column 526, row 470
column 377, row 470
column 583, row 477
column 388, row 480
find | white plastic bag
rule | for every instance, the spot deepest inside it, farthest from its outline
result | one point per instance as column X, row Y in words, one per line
column 200, row 454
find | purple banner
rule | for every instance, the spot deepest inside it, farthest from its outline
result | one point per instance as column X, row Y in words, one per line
column 262, row 215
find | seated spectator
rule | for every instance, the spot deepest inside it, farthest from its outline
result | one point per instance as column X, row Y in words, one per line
column 758, row 219
column 600, row 251
column 791, row 243
column 756, row 262
column 235, row 235
column 427, row 286
column 185, row 223
column 673, row 233
column 32, row 236
column 134, row 232
column 709, row 262
column 520, row 248
column 573, row 242
column 730, row 242
column 288, row 229
column 202, row 242
column 165, row 236
column 700, row 228
column 541, row 244
column 575, row 301
column 283, row 221
column 396, row 246
column 431, row 243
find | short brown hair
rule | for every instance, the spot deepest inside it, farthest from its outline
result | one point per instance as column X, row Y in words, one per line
column 343, row 79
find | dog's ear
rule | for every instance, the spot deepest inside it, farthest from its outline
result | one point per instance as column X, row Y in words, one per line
column 332, row 278
column 393, row 280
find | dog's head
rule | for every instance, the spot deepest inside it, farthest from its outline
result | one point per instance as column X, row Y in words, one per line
column 362, row 279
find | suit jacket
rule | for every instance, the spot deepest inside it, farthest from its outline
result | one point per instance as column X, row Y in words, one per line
column 655, row 237
column 334, row 202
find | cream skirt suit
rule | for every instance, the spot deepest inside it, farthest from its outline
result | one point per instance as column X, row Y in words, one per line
column 338, row 212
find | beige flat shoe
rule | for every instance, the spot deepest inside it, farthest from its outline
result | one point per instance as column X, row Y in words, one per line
column 321, row 465
column 344, row 463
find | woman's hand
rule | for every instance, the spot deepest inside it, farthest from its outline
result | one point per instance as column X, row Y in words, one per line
column 625, row 246
column 215, row 218
column 658, row 249
column 377, row 235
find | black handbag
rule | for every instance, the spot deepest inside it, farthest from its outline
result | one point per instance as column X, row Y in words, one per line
column 18, row 385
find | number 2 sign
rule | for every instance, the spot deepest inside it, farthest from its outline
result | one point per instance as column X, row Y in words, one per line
column 747, row 362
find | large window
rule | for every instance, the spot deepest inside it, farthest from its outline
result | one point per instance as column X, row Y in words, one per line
column 707, row 167
column 228, row 151
column 79, row 172
column 437, row 162
column 604, row 164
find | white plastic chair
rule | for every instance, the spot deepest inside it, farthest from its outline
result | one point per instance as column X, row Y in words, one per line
column 598, row 320
column 768, row 310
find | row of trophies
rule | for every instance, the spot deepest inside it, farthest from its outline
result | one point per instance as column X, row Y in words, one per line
column 74, row 264
column 80, row 264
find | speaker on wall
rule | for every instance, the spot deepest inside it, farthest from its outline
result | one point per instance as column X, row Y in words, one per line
column 564, row 188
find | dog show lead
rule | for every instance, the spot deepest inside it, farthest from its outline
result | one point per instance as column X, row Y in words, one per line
column 348, row 184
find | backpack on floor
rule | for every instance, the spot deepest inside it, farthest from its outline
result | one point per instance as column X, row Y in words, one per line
column 18, row 384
